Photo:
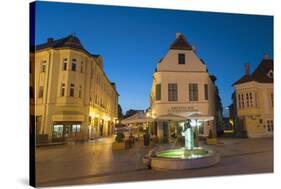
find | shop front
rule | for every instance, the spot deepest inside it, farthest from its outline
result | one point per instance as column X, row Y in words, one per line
column 66, row 131
column 67, row 127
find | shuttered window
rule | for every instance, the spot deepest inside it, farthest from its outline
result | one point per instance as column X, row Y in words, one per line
column 158, row 91
column 206, row 91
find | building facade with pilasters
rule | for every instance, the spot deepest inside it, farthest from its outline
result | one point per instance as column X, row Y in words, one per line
column 72, row 98
column 182, row 86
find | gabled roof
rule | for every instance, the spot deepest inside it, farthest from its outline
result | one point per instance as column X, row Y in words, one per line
column 260, row 74
column 70, row 41
column 181, row 43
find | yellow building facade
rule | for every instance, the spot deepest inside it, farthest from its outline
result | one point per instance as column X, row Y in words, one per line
column 254, row 100
column 72, row 97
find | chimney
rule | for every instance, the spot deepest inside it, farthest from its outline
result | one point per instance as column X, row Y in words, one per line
column 194, row 49
column 266, row 56
column 178, row 34
column 247, row 69
column 50, row 40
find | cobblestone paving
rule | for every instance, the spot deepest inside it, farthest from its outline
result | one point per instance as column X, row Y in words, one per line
column 95, row 162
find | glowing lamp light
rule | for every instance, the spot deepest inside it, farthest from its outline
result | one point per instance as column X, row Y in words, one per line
column 92, row 114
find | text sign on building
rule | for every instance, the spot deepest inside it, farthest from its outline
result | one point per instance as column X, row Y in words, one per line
column 182, row 109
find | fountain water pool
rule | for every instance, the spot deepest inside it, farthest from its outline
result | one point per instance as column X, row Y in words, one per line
column 183, row 153
column 188, row 157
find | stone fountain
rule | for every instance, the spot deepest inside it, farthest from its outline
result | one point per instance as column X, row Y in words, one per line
column 188, row 157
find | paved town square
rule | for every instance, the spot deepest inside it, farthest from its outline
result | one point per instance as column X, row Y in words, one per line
column 95, row 162
column 166, row 104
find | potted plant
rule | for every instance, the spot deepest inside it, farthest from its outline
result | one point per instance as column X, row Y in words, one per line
column 119, row 143
column 211, row 139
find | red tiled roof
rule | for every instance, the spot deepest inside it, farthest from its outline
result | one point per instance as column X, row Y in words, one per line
column 181, row 43
column 260, row 74
column 70, row 41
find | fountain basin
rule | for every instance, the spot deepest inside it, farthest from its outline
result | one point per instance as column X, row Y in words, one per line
column 179, row 159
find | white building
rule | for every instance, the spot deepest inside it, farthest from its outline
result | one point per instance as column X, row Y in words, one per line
column 254, row 101
column 182, row 86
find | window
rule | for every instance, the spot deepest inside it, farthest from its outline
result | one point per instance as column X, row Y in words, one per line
column 271, row 99
column 62, row 89
column 82, row 65
column 251, row 99
column 239, row 100
column 247, row 99
column 73, row 65
column 44, row 65
column 58, row 131
column 172, row 92
column 193, row 92
column 270, row 74
column 64, row 64
column 71, row 89
column 76, row 128
column 242, row 100
column 269, row 125
column 158, row 91
column 80, row 91
column 206, row 91
column 181, row 58
column 41, row 91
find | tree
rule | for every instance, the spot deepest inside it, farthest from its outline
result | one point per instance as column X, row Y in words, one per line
column 120, row 112
column 218, row 107
column 132, row 112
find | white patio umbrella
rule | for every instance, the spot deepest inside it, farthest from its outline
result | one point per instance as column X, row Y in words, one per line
column 200, row 117
column 171, row 117
column 137, row 118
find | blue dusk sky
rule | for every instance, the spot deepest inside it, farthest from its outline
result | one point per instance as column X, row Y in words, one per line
column 133, row 40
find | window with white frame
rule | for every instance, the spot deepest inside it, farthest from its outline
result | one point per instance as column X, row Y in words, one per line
column 82, row 67
column 64, row 64
column 172, row 92
column 41, row 92
column 80, row 91
column 193, row 92
column 43, row 66
column 73, row 65
column 72, row 88
column 63, row 89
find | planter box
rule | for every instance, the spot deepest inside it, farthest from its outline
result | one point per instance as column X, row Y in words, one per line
column 42, row 139
column 211, row 141
column 118, row 146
